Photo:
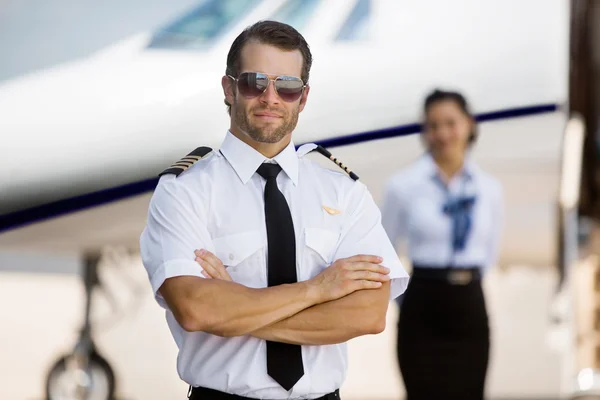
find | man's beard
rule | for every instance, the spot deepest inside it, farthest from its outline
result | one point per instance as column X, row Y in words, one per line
column 268, row 133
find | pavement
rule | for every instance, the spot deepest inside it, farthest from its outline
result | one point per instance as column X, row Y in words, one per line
column 41, row 314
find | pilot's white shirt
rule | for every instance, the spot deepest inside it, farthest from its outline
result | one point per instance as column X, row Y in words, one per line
column 217, row 204
column 412, row 214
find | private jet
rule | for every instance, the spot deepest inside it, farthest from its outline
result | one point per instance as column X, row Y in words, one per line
column 83, row 142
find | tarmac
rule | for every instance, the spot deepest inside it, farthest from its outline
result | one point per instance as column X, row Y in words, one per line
column 41, row 314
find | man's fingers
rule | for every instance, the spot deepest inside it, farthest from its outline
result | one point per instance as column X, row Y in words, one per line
column 205, row 274
column 366, row 266
column 210, row 257
column 208, row 268
column 218, row 272
column 226, row 276
column 212, row 265
column 370, row 284
column 365, row 284
column 364, row 258
column 368, row 276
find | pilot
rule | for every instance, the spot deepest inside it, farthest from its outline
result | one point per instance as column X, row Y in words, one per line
column 266, row 262
column 448, row 213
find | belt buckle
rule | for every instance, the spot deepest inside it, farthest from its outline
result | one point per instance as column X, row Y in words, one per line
column 460, row 277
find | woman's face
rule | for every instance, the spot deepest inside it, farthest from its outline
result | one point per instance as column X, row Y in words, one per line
column 447, row 129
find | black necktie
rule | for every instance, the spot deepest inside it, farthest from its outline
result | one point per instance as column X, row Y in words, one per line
column 284, row 361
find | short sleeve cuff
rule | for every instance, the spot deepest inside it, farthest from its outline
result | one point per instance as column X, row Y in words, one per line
column 399, row 278
column 171, row 269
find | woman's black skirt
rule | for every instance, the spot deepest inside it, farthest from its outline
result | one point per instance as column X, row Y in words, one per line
column 443, row 337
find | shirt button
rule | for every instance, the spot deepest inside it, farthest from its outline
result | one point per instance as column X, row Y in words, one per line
column 231, row 256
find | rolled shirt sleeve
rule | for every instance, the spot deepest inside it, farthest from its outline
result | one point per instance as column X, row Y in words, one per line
column 176, row 226
column 363, row 233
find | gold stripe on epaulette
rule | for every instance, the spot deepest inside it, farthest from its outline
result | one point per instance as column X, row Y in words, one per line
column 339, row 163
column 327, row 154
column 183, row 164
column 187, row 161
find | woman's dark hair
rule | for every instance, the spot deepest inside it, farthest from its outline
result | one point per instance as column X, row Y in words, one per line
column 440, row 95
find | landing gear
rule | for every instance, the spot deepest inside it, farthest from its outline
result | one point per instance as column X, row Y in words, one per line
column 83, row 374
column 79, row 378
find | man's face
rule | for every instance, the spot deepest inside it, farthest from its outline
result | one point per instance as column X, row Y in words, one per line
column 266, row 118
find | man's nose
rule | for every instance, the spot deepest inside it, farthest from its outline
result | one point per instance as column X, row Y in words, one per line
column 270, row 95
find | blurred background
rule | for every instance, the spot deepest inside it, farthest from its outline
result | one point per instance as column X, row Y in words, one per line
column 96, row 98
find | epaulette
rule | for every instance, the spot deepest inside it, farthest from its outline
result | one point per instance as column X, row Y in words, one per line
column 187, row 161
column 307, row 148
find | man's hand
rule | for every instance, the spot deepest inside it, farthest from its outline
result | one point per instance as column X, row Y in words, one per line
column 343, row 277
column 211, row 265
column 348, row 275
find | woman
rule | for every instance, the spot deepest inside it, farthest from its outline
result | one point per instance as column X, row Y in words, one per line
column 449, row 211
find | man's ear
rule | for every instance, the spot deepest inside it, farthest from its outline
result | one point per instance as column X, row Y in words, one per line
column 228, row 89
column 304, row 97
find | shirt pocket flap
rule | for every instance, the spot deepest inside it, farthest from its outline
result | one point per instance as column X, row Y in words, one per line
column 323, row 241
column 233, row 249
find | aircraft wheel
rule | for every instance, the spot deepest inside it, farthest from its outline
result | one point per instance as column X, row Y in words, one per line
column 65, row 382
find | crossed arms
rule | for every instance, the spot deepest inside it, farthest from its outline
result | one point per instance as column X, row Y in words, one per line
column 347, row 299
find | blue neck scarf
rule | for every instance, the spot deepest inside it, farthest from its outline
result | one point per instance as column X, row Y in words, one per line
column 460, row 210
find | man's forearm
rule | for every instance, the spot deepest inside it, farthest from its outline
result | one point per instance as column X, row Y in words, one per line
column 360, row 313
column 229, row 309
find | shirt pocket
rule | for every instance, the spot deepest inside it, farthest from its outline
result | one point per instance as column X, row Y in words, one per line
column 321, row 245
column 243, row 256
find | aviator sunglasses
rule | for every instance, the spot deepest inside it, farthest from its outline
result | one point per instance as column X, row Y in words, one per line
column 253, row 84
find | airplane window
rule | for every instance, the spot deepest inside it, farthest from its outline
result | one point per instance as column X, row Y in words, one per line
column 356, row 26
column 199, row 28
column 296, row 12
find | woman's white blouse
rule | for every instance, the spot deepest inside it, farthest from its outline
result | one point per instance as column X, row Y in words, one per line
column 413, row 212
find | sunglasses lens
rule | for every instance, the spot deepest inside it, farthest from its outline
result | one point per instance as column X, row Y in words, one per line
column 289, row 88
column 252, row 84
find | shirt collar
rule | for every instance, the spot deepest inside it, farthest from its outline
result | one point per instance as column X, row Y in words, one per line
column 245, row 160
column 430, row 168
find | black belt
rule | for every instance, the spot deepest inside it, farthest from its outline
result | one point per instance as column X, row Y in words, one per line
column 202, row 393
column 452, row 275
